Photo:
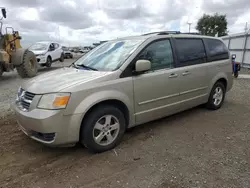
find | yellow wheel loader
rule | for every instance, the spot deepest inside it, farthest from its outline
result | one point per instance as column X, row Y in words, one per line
column 12, row 55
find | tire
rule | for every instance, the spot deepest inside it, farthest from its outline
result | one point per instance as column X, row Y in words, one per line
column 212, row 104
column 48, row 62
column 103, row 115
column 29, row 66
column 71, row 56
column 1, row 70
column 61, row 58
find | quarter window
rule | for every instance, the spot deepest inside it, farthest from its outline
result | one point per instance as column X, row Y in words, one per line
column 190, row 51
column 159, row 54
column 217, row 49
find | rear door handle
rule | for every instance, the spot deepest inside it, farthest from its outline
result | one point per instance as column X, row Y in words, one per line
column 173, row 75
column 185, row 73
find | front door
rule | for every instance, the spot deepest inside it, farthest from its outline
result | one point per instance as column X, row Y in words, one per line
column 156, row 92
column 57, row 52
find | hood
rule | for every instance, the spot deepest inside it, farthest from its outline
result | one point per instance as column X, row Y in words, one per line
column 60, row 79
column 37, row 52
column 67, row 51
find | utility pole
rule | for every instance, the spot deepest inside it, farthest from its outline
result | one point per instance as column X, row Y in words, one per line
column 246, row 28
column 189, row 26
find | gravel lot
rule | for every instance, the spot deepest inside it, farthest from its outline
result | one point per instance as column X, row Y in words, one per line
column 196, row 148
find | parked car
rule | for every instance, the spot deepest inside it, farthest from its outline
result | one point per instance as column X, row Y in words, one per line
column 47, row 52
column 121, row 84
column 67, row 53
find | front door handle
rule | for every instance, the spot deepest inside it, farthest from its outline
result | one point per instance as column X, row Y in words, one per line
column 185, row 73
column 173, row 75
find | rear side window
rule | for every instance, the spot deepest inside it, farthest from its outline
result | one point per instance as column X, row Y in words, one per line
column 190, row 51
column 217, row 50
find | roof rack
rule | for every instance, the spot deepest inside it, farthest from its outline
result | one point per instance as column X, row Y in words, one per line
column 162, row 33
column 192, row 33
column 169, row 32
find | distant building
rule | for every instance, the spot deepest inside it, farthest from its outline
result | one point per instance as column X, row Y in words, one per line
column 239, row 44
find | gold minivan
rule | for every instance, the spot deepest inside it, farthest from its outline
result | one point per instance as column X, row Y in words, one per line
column 123, row 83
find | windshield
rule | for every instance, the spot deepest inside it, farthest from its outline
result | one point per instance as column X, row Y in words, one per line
column 108, row 56
column 65, row 48
column 39, row 46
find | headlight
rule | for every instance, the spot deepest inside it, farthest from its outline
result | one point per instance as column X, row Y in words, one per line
column 41, row 54
column 19, row 92
column 54, row 101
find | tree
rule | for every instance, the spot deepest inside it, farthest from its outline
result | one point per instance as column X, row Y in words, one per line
column 211, row 25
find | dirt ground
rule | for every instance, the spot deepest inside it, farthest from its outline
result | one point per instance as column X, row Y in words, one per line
column 196, row 148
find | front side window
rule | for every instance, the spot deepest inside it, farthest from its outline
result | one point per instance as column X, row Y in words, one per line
column 56, row 45
column 110, row 55
column 159, row 54
column 190, row 51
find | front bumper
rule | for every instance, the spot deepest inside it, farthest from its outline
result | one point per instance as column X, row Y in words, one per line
column 49, row 127
column 41, row 59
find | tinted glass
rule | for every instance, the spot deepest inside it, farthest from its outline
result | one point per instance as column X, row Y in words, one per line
column 159, row 53
column 217, row 49
column 190, row 51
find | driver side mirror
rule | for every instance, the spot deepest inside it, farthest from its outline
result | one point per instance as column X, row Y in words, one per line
column 4, row 12
column 142, row 66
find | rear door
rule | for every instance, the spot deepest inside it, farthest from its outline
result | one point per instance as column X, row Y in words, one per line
column 192, row 64
column 218, row 58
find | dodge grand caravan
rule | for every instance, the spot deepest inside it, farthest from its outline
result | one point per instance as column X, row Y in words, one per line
column 124, row 83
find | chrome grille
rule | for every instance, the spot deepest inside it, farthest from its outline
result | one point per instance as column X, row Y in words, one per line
column 24, row 99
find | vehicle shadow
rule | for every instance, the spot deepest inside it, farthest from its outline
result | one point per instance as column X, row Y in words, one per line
column 165, row 121
column 9, row 76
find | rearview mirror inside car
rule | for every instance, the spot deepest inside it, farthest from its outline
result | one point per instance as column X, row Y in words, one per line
column 4, row 12
column 142, row 66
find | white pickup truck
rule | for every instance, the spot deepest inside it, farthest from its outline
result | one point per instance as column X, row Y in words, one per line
column 47, row 52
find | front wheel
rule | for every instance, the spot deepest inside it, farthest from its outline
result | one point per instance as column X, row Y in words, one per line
column 217, row 96
column 103, row 129
column 61, row 58
column 48, row 62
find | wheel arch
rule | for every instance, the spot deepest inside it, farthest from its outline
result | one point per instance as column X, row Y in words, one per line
column 222, row 77
column 111, row 102
column 49, row 56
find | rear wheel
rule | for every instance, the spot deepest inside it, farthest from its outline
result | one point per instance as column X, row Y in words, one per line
column 48, row 62
column 103, row 129
column 217, row 96
column 28, row 67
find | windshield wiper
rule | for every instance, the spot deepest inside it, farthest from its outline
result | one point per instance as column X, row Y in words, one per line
column 84, row 66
